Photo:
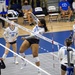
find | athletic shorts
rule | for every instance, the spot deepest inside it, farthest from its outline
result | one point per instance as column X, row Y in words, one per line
column 12, row 42
column 63, row 67
column 33, row 41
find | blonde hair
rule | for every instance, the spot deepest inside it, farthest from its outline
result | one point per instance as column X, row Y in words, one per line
column 12, row 23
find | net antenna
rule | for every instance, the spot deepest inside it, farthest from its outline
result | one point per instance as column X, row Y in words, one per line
column 25, row 59
column 53, row 45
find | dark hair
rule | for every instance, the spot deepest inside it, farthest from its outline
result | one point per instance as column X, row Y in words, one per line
column 44, row 24
column 25, row 3
column 68, row 42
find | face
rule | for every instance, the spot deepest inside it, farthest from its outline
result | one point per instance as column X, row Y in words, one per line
column 12, row 26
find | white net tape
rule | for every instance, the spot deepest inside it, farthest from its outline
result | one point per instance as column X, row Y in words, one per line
column 40, row 36
column 25, row 59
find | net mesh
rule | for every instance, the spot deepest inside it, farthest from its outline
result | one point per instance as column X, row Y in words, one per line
column 49, row 59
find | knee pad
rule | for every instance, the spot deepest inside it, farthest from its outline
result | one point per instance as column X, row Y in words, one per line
column 36, row 59
column 4, row 56
column 22, row 54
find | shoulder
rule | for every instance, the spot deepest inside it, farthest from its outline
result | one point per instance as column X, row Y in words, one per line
column 60, row 3
column 63, row 48
column 7, row 29
column 72, row 49
column 16, row 28
column 74, row 2
column 67, row 2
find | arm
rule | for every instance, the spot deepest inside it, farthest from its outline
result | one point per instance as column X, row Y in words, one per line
column 27, row 37
column 69, row 8
column 60, row 54
column 17, row 32
column 41, row 31
column 23, row 10
column 30, row 10
column 60, row 9
column 5, row 35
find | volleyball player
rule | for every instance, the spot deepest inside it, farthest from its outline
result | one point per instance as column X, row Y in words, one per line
column 33, row 42
column 74, row 32
column 62, row 54
column 10, row 36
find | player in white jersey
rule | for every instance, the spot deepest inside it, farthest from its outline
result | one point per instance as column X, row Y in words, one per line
column 74, row 32
column 10, row 36
column 33, row 41
column 62, row 54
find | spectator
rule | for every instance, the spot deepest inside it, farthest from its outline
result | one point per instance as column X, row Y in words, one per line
column 4, row 12
column 65, row 9
column 17, row 7
column 62, row 54
column 10, row 35
column 27, row 10
column 74, row 32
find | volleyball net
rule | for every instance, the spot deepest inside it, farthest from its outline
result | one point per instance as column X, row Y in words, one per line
column 49, row 58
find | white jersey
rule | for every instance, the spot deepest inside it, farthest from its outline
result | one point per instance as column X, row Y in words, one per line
column 73, row 5
column 38, row 30
column 11, row 34
column 74, row 28
column 62, row 54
